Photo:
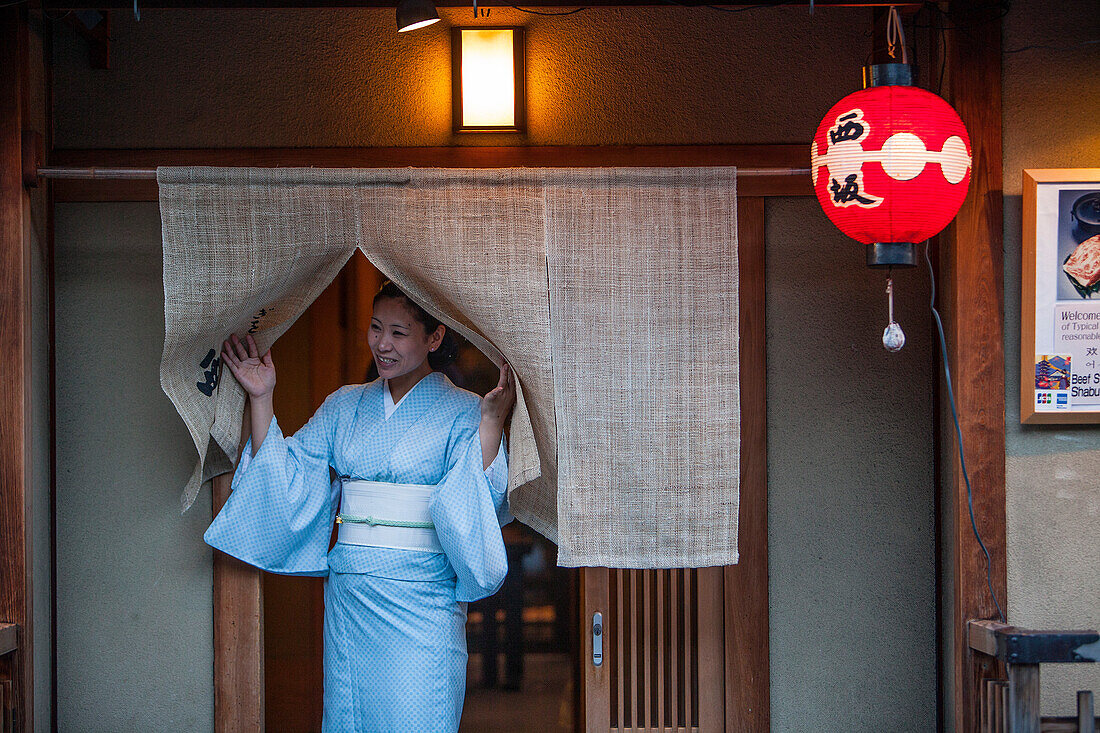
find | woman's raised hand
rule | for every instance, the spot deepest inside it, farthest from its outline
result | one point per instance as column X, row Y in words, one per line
column 255, row 373
column 496, row 405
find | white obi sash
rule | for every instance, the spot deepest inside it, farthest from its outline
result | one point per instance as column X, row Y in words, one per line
column 378, row 514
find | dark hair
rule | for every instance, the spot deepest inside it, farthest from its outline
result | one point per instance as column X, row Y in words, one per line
column 448, row 348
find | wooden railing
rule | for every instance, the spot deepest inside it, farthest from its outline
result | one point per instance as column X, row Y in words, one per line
column 9, row 644
column 1012, row 705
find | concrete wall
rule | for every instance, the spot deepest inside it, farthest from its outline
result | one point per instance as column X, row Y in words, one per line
column 1051, row 97
column 850, row 490
column 851, row 536
column 134, row 624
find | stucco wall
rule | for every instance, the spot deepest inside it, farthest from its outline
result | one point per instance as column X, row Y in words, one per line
column 134, row 624
column 1051, row 99
column 851, row 537
column 204, row 78
column 851, row 495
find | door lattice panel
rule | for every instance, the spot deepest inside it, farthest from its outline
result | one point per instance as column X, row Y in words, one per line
column 652, row 650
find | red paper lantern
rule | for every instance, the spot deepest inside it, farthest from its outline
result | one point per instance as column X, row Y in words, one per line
column 891, row 164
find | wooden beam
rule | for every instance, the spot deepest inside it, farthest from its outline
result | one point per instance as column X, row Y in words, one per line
column 9, row 638
column 748, row 701
column 15, row 554
column 971, row 285
column 592, row 156
column 1066, row 724
column 1014, row 645
column 64, row 5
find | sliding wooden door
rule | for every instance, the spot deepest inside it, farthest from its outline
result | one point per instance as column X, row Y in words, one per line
column 687, row 649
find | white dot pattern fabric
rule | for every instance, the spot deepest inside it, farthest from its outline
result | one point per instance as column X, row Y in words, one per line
column 394, row 629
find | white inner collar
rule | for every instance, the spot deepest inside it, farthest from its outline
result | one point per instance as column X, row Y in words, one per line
column 387, row 398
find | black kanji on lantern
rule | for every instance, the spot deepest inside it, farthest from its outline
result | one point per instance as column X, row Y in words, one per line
column 849, row 192
column 848, row 127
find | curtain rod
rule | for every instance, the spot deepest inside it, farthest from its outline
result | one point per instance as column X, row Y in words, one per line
column 130, row 174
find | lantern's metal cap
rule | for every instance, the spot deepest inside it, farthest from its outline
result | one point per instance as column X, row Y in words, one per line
column 891, row 254
column 413, row 14
column 884, row 75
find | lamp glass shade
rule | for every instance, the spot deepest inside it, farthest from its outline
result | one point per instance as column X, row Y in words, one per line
column 488, row 83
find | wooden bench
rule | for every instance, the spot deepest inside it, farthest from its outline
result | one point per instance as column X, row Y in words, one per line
column 1012, row 705
column 9, row 643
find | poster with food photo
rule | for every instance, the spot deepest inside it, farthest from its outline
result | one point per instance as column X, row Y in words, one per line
column 1079, row 243
column 1060, row 322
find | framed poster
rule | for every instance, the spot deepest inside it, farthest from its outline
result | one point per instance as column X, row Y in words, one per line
column 1060, row 303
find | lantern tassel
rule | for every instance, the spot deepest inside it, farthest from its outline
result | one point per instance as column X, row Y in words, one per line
column 893, row 338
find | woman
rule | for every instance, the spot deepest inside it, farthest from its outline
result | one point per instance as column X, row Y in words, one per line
column 421, row 490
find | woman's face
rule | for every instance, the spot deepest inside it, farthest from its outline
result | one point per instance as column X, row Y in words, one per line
column 398, row 340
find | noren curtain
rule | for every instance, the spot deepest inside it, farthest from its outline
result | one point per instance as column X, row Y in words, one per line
column 612, row 293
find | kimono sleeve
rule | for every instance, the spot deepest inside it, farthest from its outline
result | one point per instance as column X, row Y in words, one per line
column 280, row 511
column 468, row 509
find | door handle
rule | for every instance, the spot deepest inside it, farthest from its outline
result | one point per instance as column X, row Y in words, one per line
column 597, row 639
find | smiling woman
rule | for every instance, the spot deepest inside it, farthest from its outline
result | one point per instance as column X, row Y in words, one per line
column 421, row 495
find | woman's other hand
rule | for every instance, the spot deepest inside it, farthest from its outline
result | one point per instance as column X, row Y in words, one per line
column 495, row 407
column 255, row 373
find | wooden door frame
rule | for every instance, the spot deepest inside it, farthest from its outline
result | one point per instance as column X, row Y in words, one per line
column 971, row 272
column 15, row 354
column 239, row 654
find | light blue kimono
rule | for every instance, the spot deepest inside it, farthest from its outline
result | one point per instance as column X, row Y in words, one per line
column 394, row 629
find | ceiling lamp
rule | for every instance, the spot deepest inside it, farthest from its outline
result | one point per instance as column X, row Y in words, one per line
column 413, row 14
column 487, row 80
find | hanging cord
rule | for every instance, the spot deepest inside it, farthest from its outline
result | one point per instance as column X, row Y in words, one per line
column 959, row 437
column 895, row 33
column 890, row 293
column 539, row 12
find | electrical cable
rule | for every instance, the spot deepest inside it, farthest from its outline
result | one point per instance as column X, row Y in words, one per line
column 748, row 7
column 721, row 9
column 1069, row 47
column 959, row 437
column 1003, row 6
column 539, row 12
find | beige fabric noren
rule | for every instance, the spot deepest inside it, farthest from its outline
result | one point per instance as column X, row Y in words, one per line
column 611, row 292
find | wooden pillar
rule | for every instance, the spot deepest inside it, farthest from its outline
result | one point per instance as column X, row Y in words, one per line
column 971, row 287
column 748, row 700
column 15, row 552
column 238, row 635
